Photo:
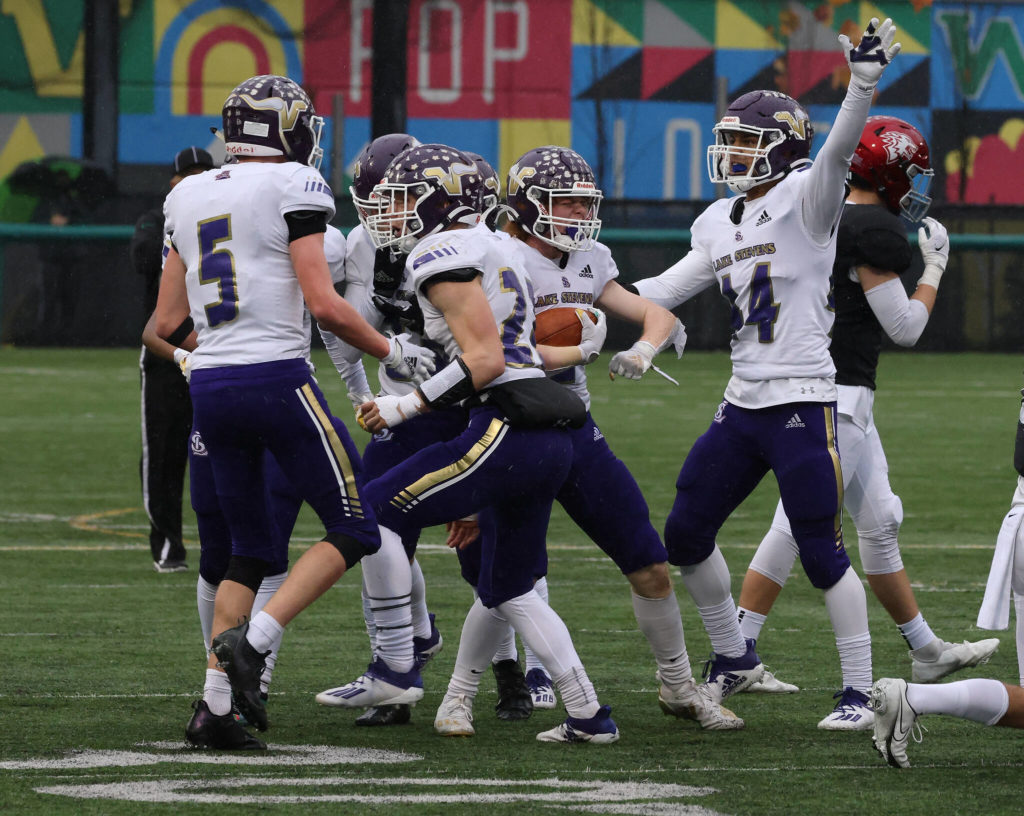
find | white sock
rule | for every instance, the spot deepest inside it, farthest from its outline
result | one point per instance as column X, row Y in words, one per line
column 539, row 626
column 855, row 661
column 1018, row 603
column 482, row 628
column 710, row 587
column 751, row 623
column 578, row 695
column 980, row 700
column 263, row 632
column 918, row 634
column 371, row 627
column 847, row 607
column 420, row 613
column 217, row 692
column 662, row 625
column 540, row 586
column 268, row 586
column 388, row 579
column 206, row 594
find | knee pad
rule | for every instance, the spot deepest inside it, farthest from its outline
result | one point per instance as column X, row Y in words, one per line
column 775, row 556
column 879, row 546
column 351, row 549
column 686, row 542
column 825, row 567
column 247, row 571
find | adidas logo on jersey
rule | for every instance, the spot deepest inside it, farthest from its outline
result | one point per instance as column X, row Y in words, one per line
column 587, row 272
column 597, row 434
column 795, row 422
column 764, row 219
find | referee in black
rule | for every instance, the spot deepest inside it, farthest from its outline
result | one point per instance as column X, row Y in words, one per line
column 166, row 407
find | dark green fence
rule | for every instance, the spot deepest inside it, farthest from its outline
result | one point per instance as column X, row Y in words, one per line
column 74, row 286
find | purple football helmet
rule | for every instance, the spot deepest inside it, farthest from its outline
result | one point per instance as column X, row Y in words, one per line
column 370, row 165
column 783, row 131
column 426, row 189
column 535, row 183
column 491, row 181
column 271, row 115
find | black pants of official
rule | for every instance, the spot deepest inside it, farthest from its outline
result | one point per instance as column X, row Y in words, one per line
column 166, row 422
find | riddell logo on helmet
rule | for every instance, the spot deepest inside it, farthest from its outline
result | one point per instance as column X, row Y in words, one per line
column 897, row 146
column 235, row 148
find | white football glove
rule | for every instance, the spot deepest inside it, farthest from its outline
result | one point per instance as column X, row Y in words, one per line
column 593, row 334
column 633, row 362
column 933, row 240
column 408, row 361
column 184, row 360
column 875, row 50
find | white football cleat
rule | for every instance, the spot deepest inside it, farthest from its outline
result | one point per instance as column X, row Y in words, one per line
column 699, row 703
column 770, row 684
column 953, row 657
column 455, row 716
column 599, row 729
column 895, row 721
column 377, row 686
column 852, row 712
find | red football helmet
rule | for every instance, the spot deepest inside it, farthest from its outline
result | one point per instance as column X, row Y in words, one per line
column 892, row 158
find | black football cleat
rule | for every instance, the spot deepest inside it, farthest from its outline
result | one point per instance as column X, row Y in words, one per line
column 244, row 668
column 385, row 715
column 514, row 699
column 222, row 733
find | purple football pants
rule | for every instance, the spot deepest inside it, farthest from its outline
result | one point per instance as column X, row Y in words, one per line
column 246, row 411
column 508, row 475
column 797, row 442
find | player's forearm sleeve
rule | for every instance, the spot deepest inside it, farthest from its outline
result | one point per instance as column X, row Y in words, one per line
column 825, row 191
column 691, row 274
column 348, row 360
column 902, row 318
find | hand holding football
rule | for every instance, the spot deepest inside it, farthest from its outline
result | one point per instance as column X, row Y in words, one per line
column 560, row 326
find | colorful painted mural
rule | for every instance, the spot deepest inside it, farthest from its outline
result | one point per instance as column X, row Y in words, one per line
column 634, row 85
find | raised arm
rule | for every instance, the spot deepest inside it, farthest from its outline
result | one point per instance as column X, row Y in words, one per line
column 823, row 200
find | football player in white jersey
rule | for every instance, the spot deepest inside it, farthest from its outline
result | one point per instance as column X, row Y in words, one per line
column 898, row 704
column 770, row 250
column 552, row 202
column 514, row 453
column 889, row 175
column 247, row 259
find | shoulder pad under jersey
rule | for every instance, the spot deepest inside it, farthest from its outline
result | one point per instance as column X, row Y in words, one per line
column 873, row 236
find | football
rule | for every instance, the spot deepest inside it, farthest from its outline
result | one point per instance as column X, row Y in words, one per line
column 560, row 327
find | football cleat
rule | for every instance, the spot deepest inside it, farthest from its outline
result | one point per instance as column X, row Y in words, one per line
column 699, row 703
column 895, row 721
column 770, row 684
column 733, row 674
column 514, row 699
column 424, row 649
column 953, row 657
column 377, row 686
column 852, row 712
column 385, row 715
column 541, row 689
column 244, row 667
column 599, row 729
column 222, row 733
column 455, row 716
column 170, row 565
column 238, row 714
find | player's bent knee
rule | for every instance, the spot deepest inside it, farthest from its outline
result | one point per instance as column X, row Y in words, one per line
column 880, row 552
column 350, row 548
column 652, row 581
column 247, row 571
column 824, row 568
